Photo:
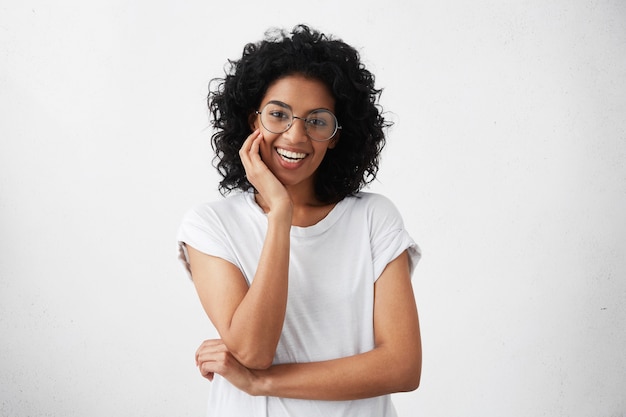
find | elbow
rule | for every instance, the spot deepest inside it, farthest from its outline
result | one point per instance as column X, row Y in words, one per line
column 255, row 360
column 411, row 383
column 251, row 354
column 259, row 364
column 410, row 375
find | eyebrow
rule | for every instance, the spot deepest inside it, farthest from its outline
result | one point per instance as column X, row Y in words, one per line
column 287, row 106
column 279, row 103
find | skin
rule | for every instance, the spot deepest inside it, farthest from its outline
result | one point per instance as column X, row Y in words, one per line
column 303, row 95
column 249, row 319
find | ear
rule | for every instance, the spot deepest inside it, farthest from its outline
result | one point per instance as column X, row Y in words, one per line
column 253, row 121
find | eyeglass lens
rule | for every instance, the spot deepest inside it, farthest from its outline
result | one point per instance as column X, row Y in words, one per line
column 278, row 117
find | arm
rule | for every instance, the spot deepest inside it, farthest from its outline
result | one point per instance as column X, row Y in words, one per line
column 393, row 365
column 250, row 319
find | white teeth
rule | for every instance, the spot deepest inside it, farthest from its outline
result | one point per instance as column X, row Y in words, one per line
column 290, row 155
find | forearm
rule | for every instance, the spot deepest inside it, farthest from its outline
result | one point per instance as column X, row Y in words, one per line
column 394, row 365
column 257, row 322
column 374, row 373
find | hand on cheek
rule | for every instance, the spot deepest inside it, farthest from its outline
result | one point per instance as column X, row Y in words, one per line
column 264, row 181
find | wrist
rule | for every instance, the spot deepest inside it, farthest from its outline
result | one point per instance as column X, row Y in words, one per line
column 281, row 214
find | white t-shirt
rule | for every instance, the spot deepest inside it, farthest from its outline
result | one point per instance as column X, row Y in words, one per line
column 333, row 266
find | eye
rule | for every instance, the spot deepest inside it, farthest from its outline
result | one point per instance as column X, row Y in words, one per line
column 278, row 114
column 317, row 123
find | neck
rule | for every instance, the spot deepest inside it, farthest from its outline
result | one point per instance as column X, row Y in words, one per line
column 300, row 198
column 307, row 209
column 303, row 196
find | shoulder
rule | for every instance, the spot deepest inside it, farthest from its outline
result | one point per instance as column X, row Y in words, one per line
column 387, row 233
column 229, row 205
column 372, row 198
column 212, row 227
column 381, row 213
column 219, row 214
column 373, row 203
column 218, row 220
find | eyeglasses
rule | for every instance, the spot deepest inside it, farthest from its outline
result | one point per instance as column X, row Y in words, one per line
column 320, row 125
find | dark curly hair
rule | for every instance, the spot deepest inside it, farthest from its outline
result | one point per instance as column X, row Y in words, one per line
column 354, row 161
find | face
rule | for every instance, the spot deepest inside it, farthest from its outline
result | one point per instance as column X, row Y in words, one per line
column 292, row 156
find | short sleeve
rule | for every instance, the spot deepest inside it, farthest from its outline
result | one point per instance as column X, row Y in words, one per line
column 389, row 238
column 202, row 229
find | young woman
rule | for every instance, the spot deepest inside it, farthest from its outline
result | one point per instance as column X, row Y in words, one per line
column 306, row 278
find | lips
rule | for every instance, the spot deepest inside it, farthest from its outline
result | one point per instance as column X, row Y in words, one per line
column 290, row 156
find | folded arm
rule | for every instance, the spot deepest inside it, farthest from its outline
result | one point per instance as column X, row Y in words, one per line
column 393, row 365
column 249, row 319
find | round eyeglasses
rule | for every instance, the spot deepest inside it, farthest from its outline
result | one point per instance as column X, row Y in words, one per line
column 320, row 125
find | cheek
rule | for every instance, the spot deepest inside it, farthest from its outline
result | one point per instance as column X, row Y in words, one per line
column 321, row 151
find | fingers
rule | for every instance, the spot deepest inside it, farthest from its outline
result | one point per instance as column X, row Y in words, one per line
column 212, row 356
column 256, row 143
column 251, row 157
column 218, row 362
column 264, row 181
column 208, row 347
column 256, row 171
column 250, row 149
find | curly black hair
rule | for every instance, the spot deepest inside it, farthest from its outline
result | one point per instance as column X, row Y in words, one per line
column 354, row 161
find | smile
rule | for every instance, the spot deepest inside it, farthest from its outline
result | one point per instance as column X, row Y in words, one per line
column 290, row 156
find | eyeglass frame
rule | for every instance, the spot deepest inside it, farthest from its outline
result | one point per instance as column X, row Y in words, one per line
column 304, row 119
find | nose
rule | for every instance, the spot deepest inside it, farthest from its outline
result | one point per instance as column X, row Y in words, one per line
column 297, row 132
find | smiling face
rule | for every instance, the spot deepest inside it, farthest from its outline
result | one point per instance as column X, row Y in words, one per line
column 292, row 156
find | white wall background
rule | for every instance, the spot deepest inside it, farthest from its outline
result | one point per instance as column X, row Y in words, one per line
column 508, row 160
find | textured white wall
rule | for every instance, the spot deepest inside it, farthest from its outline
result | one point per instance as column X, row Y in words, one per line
column 508, row 160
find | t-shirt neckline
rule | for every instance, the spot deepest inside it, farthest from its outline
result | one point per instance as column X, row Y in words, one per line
column 318, row 228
